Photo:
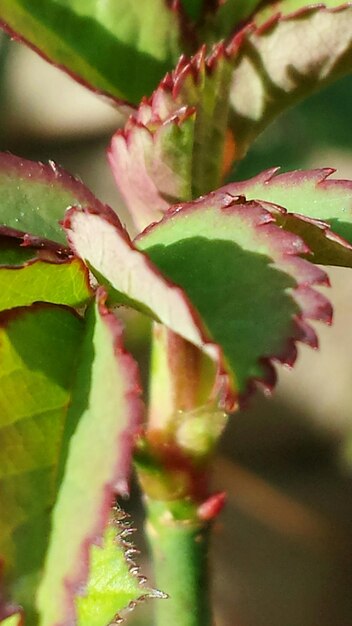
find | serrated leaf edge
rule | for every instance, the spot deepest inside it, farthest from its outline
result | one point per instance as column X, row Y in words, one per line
column 313, row 305
column 319, row 176
column 118, row 483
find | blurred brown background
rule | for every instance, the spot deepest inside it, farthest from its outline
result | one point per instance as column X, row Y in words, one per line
column 283, row 546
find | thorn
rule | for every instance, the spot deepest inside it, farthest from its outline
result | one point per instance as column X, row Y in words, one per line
column 211, row 508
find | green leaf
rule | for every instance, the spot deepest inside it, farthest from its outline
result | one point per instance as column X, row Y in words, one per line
column 229, row 14
column 314, row 196
column 284, row 60
column 121, row 48
column 240, row 282
column 66, row 283
column 13, row 620
column 38, row 347
column 29, row 275
column 103, row 416
column 113, row 583
column 242, row 274
column 194, row 8
column 13, row 254
column 54, row 388
column 34, row 197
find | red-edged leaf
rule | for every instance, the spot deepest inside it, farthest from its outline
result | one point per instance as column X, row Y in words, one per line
column 269, row 9
column 244, row 276
column 57, row 376
column 130, row 277
column 283, row 58
column 172, row 148
column 243, row 285
column 38, row 356
column 39, row 281
column 119, row 48
column 34, row 198
column 106, row 402
column 152, row 165
column 311, row 204
column 176, row 146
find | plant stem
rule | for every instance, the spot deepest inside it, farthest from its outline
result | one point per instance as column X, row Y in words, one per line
column 180, row 555
column 181, row 378
column 173, row 460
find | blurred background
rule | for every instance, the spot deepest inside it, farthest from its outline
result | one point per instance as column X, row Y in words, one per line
column 282, row 550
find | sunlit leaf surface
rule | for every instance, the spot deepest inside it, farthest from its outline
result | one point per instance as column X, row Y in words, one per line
column 121, row 48
column 38, row 358
column 101, row 422
column 34, row 198
column 324, row 203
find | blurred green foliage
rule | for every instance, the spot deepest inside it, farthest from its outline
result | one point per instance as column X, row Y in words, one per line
column 321, row 122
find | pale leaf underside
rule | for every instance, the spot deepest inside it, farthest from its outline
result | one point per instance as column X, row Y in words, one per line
column 129, row 275
column 315, row 48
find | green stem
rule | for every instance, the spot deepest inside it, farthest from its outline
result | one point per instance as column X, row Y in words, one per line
column 180, row 555
column 181, row 378
column 173, row 461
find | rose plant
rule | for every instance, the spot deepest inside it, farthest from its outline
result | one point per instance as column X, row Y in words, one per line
column 228, row 274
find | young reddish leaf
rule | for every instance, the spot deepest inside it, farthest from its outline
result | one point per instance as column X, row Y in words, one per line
column 319, row 209
column 315, row 45
column 152, row 164
column 121, row 48
column 38, row 348
column 172, row 148
column 34, row 197
column 106, row 402
column 177, row 145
